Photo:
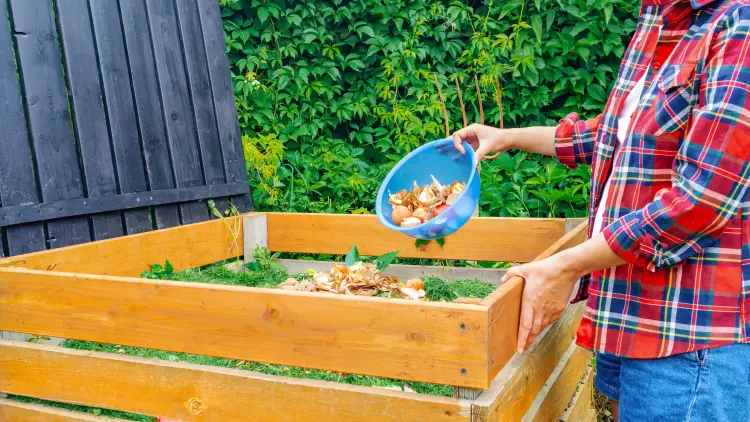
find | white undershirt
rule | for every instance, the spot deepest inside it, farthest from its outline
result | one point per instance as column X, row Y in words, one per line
column 623, row 124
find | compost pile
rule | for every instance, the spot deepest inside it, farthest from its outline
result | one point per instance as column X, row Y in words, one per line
column 423, row 203
column 362, row 279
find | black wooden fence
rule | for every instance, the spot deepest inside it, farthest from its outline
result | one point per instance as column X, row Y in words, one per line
column 116, row 117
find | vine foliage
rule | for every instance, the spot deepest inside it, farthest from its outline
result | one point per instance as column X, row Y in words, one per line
column 332, row 93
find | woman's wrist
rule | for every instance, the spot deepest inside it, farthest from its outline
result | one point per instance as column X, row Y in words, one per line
column 536, row 139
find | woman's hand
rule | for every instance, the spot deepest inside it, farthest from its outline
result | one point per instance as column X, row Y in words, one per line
column 547, row 290
column 483, row 139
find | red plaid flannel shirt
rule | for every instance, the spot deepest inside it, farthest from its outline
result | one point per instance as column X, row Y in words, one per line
column 678, row 208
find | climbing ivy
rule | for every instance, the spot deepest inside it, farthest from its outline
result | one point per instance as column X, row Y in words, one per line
column 331, row 93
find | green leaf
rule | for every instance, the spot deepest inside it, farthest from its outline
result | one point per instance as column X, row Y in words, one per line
column 607, row 13
column 262, row 14
column 440, row 241
column 385, row 260
column 421, row 242
column 352, row 257
column 536, row 25
column 597, row 92
column 168, row 267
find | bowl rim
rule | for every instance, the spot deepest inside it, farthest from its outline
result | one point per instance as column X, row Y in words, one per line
column 382, row 191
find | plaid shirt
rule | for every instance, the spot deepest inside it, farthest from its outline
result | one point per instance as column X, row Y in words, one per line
column 677, row 209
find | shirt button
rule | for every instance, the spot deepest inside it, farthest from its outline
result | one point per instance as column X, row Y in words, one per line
column 657, row 65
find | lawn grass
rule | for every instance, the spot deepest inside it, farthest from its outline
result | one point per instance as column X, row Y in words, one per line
column 268, row 276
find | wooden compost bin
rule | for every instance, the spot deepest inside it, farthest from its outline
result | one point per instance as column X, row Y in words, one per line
column 94, row 292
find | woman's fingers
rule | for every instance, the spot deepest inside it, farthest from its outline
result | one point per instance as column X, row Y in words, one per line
column 512, row 272
column 458, row 141
column 524, row 326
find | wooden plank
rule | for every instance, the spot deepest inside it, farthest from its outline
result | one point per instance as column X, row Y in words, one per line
column 581, row 406
column 175, row 97
column 504, row 315
column 185, row 247
column 123, row 124
column 146, row 93
column 554, row 397
column 17, row 182
column 199, row 393
column 202, row 99
column 405, row 272
column 502, row 239
column 90, row 118
column 49, row 117
column 126, row 201
column 514, row 389
column 433, row 342
column 200, row 89
column 13, row 411
column 504, row 311
column 223, row 98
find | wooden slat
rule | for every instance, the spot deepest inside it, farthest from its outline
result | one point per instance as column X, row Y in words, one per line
column 164, row 388
column 148, row 107
column 505, row 305
column 185, row 246
column 482, row 239
column 581, row 406
column 18, row 185
column 553, row 399
column 514, row 389
column 504, row 315
column 223, row 97
column 90, row 121
column 196, row 62
column 126, row 201
column 200, row 89
column 13, row 411
column 175, row 97
column 48, row 115
column 123, row 124
column 422, row 341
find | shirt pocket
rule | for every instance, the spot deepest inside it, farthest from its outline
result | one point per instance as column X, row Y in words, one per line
column 675, row 97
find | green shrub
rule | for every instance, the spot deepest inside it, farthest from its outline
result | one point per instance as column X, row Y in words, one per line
column 331, row 93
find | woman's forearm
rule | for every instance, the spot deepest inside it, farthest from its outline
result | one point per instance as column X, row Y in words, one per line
column 536, row 139
column 591, row 255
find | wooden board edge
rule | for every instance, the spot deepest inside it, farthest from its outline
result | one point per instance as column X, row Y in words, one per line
column 191, row 392
column 187, row 246
column 574, row 237
column 15, row 411
column 513, row 239
column 444, row 344
column 582, row 403
column 504, row 314
column 514, row 388
column 554, row 398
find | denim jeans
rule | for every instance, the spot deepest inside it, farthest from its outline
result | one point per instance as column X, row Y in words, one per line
column 705, row 385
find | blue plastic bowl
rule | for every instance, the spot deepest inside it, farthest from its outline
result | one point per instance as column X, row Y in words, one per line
column 442, row 160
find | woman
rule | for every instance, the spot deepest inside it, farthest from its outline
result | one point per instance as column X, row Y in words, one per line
column 666, row 271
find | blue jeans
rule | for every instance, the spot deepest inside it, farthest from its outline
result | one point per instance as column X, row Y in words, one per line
column 706, row 385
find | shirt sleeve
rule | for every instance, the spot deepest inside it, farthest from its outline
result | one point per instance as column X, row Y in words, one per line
column 712, row 164
column 574, row 140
